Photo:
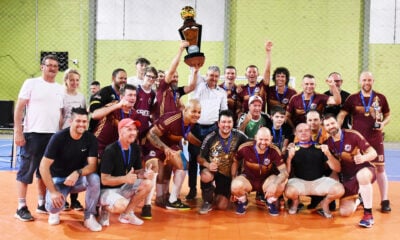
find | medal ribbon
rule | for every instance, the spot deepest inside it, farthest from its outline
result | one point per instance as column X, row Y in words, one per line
column 277, row 140
column 126, row 161
column 185, row 131
column 341, row 146
column 306, row 108
column 227, row 146
column 369, row 101
column 258, row 156
column 283, row 95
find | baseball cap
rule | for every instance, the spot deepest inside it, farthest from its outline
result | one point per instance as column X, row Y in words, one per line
column 127, row 122
column 255, row 98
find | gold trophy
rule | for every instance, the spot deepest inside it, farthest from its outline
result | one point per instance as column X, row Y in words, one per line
column 378, row 113
column 191, row 32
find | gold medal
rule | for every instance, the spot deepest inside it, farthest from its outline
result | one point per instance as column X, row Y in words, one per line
column 317, row 146
column 366, row 114
column 297, row 148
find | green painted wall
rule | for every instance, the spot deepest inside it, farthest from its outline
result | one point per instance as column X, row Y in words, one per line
column 60, row 26
column 310, row 36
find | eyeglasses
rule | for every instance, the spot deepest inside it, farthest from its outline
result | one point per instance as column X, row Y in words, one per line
column 150, row 76
column 51, row 66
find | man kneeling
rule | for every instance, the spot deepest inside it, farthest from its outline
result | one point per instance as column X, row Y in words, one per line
column 259, row 159
column 124, row 183
column 307, row 161
column 69, row 166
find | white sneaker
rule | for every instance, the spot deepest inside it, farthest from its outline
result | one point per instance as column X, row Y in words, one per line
column 92, row 224
column 104, row 217
column 54, row 219
column 130, row 218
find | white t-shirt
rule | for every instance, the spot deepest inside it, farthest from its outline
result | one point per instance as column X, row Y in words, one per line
column 43, row 109
column 71, row 101
column 135, row 81
column 212, row 101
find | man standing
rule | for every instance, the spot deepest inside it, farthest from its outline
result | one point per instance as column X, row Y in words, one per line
column 357, row 173
column 307, row 100
column 253, row 87
column 307, row 162
column 259, row 160
column 230, row 87
column 216, row 158
column 168, row 94
column 164, row 149
column 94, row 87
column 40, row 101
column 370, row 113
column 124, row 182
column 107, row 94
column 335, row 109
column 213, row 99
column 250, row 122
column 69, row 166
column 106, row 130
column 141, row 64
column 280, row 93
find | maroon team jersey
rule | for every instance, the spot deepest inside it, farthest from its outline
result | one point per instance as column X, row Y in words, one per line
column 106, row 130
column 363, row 122
column 144, row 106
column 280, row 99
column 260, row 89
column 167, row 99
column 298, row 111
column 345, row 150
column 258, row 167
column 171, row 125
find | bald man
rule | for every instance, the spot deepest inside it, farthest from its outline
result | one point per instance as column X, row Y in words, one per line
column 263, row 171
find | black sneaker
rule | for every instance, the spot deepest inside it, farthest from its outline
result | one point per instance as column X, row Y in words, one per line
column 23, row 214
column 192, row 194
column 146, row 212
column 41, row 209
column 260, row 199
column 67, row 207
column 76, row 205
column 385, row 206
column 177, row 205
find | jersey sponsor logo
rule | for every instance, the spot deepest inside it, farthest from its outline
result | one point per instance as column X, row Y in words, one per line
column 267, row 161
column 152, row 153
column 143, row 112
column 84, row 149
column 347, row 147
column 313, row 106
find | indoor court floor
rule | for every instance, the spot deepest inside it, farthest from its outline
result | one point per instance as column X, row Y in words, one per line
column 172, row 224
column 182, row 225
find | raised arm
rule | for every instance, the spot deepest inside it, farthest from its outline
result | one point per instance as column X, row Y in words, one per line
column 193, row 81
column 175, row 62
column 267, row 69
column 335, row 99
column 109, row 108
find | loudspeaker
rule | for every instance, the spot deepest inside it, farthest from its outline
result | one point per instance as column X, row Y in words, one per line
column 7, row 114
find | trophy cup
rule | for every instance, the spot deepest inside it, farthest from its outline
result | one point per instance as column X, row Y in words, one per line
column 378, row 113
column 191, row 32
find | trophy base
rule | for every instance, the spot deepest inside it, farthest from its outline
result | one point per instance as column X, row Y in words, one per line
column 195, row 59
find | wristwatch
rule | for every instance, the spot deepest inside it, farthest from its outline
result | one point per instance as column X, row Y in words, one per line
column 79, row 172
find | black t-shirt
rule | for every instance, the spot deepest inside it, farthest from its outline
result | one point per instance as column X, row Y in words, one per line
column 69, row 154
column 115, row 164
column 103, row 97
column 309, row 163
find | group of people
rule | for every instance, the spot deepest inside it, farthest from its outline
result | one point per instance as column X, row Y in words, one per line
column 245, row 138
